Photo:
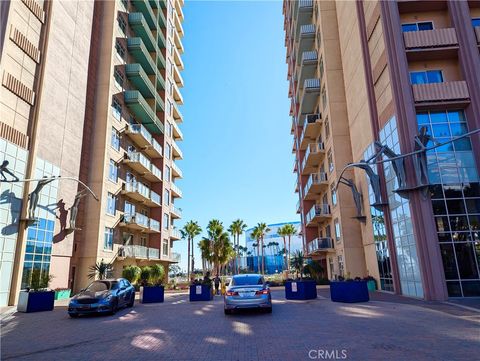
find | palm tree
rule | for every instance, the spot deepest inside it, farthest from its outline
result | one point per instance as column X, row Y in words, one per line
column 100, row 269
column 236, row 229
column 287, row 230
column 189, row 231
column 204, row 246
column 260, row 230
column 298, row 263
column 256, row 245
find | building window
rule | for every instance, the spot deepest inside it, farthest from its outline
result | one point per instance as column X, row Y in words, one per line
column 319, row 39
column 122, row 24
column 165, row 247
column 421, row 26
column 118, row 76
column 168, row 151
column 113, row 171
column 327, row 129
column 125, row 4
column 120, row 50
column 166, row 219
column 116, row 109
column 166, row 197
column 168, row 174
column 111, row 203
column 328, row 231
column 324, row 98
column 330, row 161
column 321, row 69
column 108, row 241
column 426, row 77
column 338, row 233
column 334, row 194
column 341, row 266
column 115, row 141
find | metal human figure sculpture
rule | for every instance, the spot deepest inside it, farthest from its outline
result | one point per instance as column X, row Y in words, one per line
column 374, row 179
column 397, row 163
column 74, row 208
column 357, row 196
column 420, row 159
column 35, row 195
column 4, row 169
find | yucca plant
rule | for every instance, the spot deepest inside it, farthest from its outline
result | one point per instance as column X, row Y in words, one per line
column 100, row 270
column 131, row 273
column 297, row 262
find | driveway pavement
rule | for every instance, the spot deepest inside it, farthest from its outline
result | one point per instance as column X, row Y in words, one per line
column 386, row 328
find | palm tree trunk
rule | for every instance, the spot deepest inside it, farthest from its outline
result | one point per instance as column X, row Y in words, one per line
column 285, row 252
column 193, row 257
column 263, row 259
column 188, row 261
column 289, row 240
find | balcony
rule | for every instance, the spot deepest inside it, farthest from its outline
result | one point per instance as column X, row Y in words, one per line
column 311, row 129
column 162, row 22
column 178, row 41
column 431, row 44
column 141, row 193
column 320, row 245
column 141, row 137
column 154, row 226
column 177, row 58
column 307, row 38
column 161, row 41
column 177, row 96
column 135, row 222
column 305, row 11
column 299, row 205
column 144, row 7
column 142, row 111
column 176, row 172
column 176, row 192
column 178, row 78
column 318, row 214
column 317, row 183
column 175, row 234
column 141, row 252
column 160, row 61
column 175, row 212
column 313, row 156
column 453, row 91
column 141, row 164
column 137, row 76
column 140, row 53
column 177, row 133
column 308, row 66
column 179, row 10
column 140, row 27
column 176, row 113
column 310, row 95
column 177, row 153
column 178, row 24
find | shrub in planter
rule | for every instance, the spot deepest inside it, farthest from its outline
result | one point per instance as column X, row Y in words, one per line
column 37, row 297
column 62, row 293
column 349, row 291
column 152, row 290
column 131, row 273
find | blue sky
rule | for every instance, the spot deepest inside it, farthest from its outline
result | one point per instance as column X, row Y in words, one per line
column 237, row 143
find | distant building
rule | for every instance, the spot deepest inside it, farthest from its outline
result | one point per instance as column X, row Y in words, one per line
column 274, row 245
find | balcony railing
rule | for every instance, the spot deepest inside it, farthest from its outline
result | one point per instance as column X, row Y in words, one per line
column 142, row 137
column 176, row 170
column 309, row 120
column 320, row 244
column 312, row 154
column 175, row 190
column 177, row 133
column 175, row 234
column 436, row 38
column 318, row 212
column 154, row 225
column 137, row 251
column 434, row 92
column 177, row 153
column 315, row 180
column 136, row 219
column 175, row 211
column 142, row 164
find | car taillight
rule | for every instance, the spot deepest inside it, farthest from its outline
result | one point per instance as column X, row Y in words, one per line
column 262, row 292
column 231, row 293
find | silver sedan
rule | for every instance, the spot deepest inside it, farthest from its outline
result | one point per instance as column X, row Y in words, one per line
column 247, row 291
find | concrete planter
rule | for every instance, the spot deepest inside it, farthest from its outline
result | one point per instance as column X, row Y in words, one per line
column 300, row 290
column 200, row 293
column 152, row 294
column 349, row 291
column 36, row 301
column 62, row 294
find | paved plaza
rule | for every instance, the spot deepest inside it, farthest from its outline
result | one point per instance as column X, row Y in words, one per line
column 386, row 328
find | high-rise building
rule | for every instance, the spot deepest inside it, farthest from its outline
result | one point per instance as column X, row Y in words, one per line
column 131, row 136
column 90, row 91
column 44, row 65
column 368, row 75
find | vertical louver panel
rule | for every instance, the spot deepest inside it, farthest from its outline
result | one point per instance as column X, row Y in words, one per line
column 18, row 88
column 13, row 136
column 36, row 9
column 23, row 43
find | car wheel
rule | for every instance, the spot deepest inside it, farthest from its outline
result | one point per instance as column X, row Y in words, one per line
column 73, row 315
column 132, row 301
column 114, row 307
column 227, row 312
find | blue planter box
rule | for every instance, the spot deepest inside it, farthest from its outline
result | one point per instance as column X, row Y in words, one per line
column 200, row 293
column 36, row 301
column 349, row 292
column 153, row 294
column 300, row 290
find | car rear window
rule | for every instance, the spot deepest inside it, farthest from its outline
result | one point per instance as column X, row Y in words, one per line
column 247, row 281
column 99, row 286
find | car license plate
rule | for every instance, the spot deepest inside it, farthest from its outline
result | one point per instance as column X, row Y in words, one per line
column 247, row 294
column 84, row 307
